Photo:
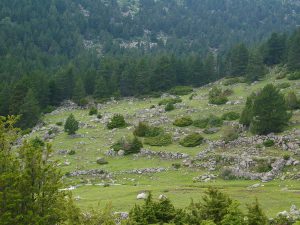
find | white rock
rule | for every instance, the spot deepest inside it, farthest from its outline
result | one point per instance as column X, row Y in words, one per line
column 141, row 196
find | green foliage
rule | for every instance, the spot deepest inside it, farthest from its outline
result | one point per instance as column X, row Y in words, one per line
column 292, row 101
column 231, row 81
column 201, row 123
column 170, row 101
column 117, row 121
column 227, row 174
column 255, row 68
column 129, row 146
column 144, row 130
column 99, row 116
column 247, row 113
column 217, row 96
column 230, row 134
column 283, row 85
column 255, row 215
column 286, row 156
column 30, row 182
column 60, row 123
column 93, row 111
column 29, row 110
column 71, row 125
column 294, row 52
column 72, row 152
column 269, row 143
column 239, row 57
column 160, row 140
column 153, row 212
column 181, row 90
column 230, row 116
column 262, row 166
column 269, row 111
column 234, row 215
column 183, row 122
column 169, row 107
column 294, row 76
column 192, row 140
column 214, row 121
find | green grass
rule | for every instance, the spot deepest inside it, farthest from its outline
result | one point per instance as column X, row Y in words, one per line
column 177, row 185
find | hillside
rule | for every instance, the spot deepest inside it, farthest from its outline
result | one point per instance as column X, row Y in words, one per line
column 269, row 173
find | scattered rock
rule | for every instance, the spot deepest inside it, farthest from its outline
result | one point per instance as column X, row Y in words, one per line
column 142, row 195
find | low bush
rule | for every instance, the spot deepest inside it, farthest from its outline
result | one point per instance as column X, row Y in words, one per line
column 201, row 123
column 169, row 107
column 181, row 90
column 72, row 152
column 227, row 174
column 286, row 156
column 214, row 121
column 294, row 76
column 60, row 123
column 217, row 96
column 144, row 130
column 269, row 143
column 99, row 116
column 232, row 81
column 183, row 122
column 230, row 116
column 170, row 100
column 160, row 140
column 192, row 140
column 228, row 92
column 263, row 166
column 280, row 76
column 230, row 134
column 93, row 111
column 292, row 101
column 130, row 146
column 283, row 85
column 117, row 121
column 176, row 166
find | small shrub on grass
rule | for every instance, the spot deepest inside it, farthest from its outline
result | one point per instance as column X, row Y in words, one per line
column 292, row 101
column 83, row 102
column 217, row 96
column 183, row 122
column 192, row 140
column 176, row 166
column 170, row 100
column 160, row 140
column 93, row 111
column 269, row 143
column 59, row 123
column 228, row 92
column 71, row 125
column 281, row 76
column 152, row 107
column 227, row 174
column 230, row 116
column 286, row 156
column 181, row 90
column 201, row 123
column 130, row 146
column 169, row 107
column 283, row 85
column 294, row 76
column 230, row 134
column 117, row 121
column 214, row 121
column 232, row 81
column 72, row 152
column 144, row 130
column 99, row 116
column 263, row 166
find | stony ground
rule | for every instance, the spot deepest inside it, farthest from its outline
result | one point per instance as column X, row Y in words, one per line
column 124, row 177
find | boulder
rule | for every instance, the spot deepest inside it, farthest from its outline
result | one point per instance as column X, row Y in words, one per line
column 142, row 195
column 101, row 161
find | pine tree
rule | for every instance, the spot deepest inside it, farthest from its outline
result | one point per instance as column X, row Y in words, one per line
column 234, row 216
column 71, row 125
column 29, row 110
column 255, row 215
column 79, row 91
column 255, row 68
column 275, row 49
column 292, row 101
column 239, row 60
column 101, row 90
column 4, row 100
column 269, row 111
column 247, row 113
column 294, row 52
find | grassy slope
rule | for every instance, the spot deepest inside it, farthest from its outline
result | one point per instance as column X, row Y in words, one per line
column 177, row 185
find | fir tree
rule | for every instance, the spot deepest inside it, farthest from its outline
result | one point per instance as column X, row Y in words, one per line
column 255, row 68
column 247, row 113
column 71, row 125
column 269, row 111
column 275, row 49
column 79, row 91
column 101, row 90
column 294, row 52
column 255, row 215
column 239, row 60
column 29, row 110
